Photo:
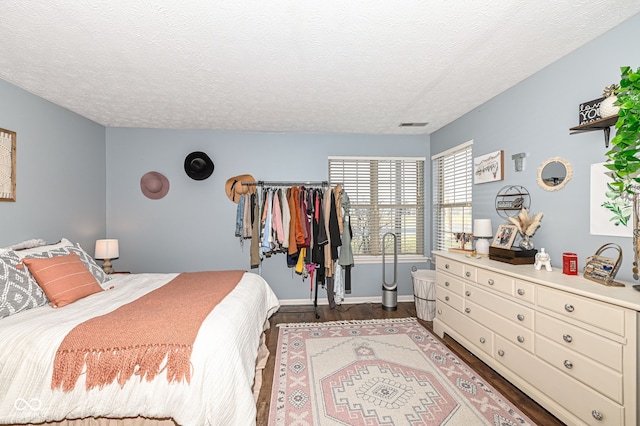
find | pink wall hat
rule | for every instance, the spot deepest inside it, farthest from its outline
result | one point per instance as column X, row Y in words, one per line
column 154, row 185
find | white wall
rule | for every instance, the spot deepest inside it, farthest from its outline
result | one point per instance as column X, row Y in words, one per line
column 61, row 172
column 535, row 117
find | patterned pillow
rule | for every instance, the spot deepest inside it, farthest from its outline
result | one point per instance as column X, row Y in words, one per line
column 66, row 247
column 64, row 279
column 18, row 291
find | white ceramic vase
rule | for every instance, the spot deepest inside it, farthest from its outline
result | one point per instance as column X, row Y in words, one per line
column 607, row 108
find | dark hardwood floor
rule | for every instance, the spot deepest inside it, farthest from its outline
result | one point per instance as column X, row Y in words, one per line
column 370, row 311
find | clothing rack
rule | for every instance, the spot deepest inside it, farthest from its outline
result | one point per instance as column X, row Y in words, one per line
column 324, row 184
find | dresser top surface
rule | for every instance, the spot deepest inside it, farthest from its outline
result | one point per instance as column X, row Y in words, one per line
column 625, row 296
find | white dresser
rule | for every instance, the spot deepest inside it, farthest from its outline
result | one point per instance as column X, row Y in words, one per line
column 567, row 342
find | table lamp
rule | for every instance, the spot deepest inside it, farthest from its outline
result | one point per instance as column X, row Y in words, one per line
column 107, row 250
column 482, row 230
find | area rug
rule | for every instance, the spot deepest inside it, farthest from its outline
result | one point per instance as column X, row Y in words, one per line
column 378, row 372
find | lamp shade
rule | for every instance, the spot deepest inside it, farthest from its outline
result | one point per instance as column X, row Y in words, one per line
column 482, row 228
column 107, row 249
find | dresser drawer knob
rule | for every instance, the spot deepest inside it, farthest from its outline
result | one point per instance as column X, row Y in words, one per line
column 467, row 293
column 521, row 292
column 446, row 298
column 568, row 364
column 567, row 338
column 597, row 415
column 468, row 310
column 482, row 340
column 501, row 352
column 568, row 307
column 490, row 281
column 439, row 311
column 520, row 339
column 520, row 317
column 446, row 266
column 446, row 284
column 468, row 274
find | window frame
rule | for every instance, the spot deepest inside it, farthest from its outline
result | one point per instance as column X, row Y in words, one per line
column 461, row 183
column 374, row 186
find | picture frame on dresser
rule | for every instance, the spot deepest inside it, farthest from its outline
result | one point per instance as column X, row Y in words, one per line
column 7, row 165
column 505, row 235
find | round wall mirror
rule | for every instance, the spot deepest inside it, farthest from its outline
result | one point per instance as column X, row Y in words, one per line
column 554, row 174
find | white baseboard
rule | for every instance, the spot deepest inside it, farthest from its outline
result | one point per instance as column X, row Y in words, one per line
column 346, row 301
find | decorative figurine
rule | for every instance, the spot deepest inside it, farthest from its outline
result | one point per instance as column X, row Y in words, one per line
column 543, row 258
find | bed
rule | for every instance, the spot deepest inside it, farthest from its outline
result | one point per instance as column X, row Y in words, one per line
column 228, row 347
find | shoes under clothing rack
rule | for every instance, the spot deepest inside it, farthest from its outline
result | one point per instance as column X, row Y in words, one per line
column 323, row 184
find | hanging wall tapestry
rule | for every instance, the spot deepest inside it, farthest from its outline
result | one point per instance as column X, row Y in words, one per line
column 7, row 165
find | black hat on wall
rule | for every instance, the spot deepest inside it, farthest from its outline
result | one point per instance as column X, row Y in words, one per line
column 198, row 165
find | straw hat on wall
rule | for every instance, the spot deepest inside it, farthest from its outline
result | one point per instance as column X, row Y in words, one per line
column 234, row 187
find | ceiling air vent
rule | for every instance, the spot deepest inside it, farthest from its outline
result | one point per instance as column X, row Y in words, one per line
column 413, row 124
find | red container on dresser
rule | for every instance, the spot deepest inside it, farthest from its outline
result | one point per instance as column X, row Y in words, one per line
column 570, row 263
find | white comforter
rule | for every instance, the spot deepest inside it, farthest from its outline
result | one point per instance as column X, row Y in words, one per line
column 223, row 361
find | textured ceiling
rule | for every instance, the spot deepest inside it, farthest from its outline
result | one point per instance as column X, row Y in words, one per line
column 355, row 66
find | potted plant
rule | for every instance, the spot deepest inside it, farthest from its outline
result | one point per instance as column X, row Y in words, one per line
column 624, row 159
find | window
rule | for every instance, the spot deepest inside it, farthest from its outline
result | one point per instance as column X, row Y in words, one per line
column 386, row 195
column 452, row 182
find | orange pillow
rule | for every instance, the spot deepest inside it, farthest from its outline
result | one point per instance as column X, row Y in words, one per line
column 64, row 279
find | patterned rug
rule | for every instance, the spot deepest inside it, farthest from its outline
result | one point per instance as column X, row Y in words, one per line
column 378, row 372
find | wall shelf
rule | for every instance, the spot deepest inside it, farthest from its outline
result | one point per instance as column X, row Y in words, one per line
column 603, row 124
column 511, row 199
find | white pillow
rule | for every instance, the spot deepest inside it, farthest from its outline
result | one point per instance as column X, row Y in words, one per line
column 44, row 248
column 36, row 242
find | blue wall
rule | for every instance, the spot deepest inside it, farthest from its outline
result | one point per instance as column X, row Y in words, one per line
column 192, row 228
column 78, row 180
column 534, row 117
column 61, row 172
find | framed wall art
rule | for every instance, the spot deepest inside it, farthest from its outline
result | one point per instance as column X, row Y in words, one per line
column 7, row 165
column 489, row 167
column 504, row 236
column 610, row 217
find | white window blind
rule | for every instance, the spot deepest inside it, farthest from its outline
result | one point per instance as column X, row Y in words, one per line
column 452, row 191
column 386, row 195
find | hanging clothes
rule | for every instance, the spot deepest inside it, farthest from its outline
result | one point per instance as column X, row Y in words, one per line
column 286, row 219
column 240, row 217
column 320, row 238
column 334, row 227
column 299, row 222
column 255, row 258
column 345, row 258
column 246, row 216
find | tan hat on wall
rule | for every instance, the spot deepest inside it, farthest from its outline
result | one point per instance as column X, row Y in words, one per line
column 234, row 187
column 154, row 185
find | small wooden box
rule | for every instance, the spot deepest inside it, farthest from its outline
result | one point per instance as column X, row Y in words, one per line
column 514, row 256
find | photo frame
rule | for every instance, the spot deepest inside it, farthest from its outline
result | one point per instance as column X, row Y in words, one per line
column 505, row 236
column 489, row 167
column 7, row 165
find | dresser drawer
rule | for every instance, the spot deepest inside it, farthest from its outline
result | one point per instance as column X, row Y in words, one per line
column 525, row 291
column 449, row 282
column 518, row 335
column 512, row 311
column 579, row 399
column 598, row 314
column 495, row 281
column 598, row 348
column 450, row 266
column 450, row 298
column 601, row 378
column 478, row 335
